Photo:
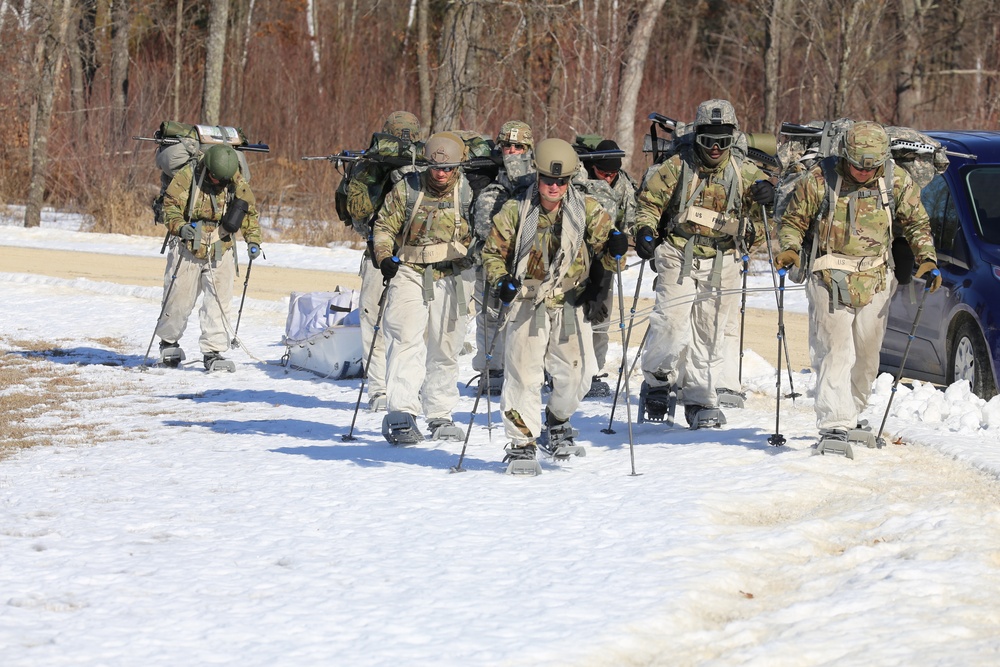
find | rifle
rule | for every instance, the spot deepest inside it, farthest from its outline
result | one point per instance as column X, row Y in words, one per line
column 393, row 161
column 796, row 130
column 170, row 141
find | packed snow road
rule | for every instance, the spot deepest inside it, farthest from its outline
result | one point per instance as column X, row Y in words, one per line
column 181, row 517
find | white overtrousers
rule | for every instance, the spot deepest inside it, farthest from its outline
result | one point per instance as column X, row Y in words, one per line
column 686, row 338
column 486, row 327
column 371, row 292
column 209, row 278
column 535, row 345
column 423, row 341
column 844, row 348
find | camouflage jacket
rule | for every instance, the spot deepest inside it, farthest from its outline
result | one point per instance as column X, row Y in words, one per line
column 618, row 199
column 210, row 203
column 498, row 253
column 437, row 222
column 870, row 233
column 659, row 199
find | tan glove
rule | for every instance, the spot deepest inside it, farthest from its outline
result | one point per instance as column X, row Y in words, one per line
column 787, row 258
column 934, row 281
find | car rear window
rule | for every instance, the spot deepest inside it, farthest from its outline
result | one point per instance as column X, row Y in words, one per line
column 984, row 189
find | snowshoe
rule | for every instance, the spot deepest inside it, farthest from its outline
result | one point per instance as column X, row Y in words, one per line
column 862, row 434
column 446, row 430
column 834, row 441
column 520, row 460
column 377, row 403
column 494, row 385
column 171, row 354
column 216, row 362
column 598, row 387
column 557, row 442
column 400, row 428
column 700, row 416
column 730, row 398
column 655, row 403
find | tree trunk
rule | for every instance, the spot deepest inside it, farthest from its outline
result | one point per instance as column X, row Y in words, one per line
column 77, row 98
column 178, row 58
column 909, row 76
column 120, row 16
column 772, row 56
column 215, row 56
column 631, row 82
column 424, row 68
column 456, row 84
column 55, row 21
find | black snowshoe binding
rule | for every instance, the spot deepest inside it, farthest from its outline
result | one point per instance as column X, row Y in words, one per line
column 400, row 428
column 171, row 354
column 730, row 398
column 598, row 387
column 492, row 385
column 862, row 435
column 557, row 442
column 445, row 429
column 834, row 441
column 520, row 460
column 216, row 362
column 700, row 416
column 655, row 403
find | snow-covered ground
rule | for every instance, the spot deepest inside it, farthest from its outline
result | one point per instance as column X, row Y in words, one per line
column 189, row 518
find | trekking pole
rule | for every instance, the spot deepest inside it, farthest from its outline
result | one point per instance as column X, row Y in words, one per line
column 501, row 317
column 349, row 437
column 743, row 315
column 777, row 439
column 163, row 307
column 621, row 326
column 879, row 440
column 792, row 394
column 628, row 336
column 236, row 341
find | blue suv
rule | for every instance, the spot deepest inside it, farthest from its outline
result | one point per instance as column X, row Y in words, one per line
column 958, row 335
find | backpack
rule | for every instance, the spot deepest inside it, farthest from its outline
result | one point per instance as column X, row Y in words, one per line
column 181, row 144
column 818, row 142
column 385, row 154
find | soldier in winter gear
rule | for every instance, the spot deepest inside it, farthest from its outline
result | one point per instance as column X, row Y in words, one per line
column 849, row 205
column 428, row 295
column 693, row 218
column 541, row 252
column 196, row 211
column 365, row 192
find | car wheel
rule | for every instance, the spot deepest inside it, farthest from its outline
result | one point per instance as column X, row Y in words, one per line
column 970, row 360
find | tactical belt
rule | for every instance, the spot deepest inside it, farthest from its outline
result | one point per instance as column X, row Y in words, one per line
column 842, row 266
column 427, row 286
column 720, row 245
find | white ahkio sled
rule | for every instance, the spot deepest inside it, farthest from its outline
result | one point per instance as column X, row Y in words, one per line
column 323, row 334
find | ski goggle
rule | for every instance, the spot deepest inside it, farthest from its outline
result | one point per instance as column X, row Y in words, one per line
column 706, row 140
column 552, row 180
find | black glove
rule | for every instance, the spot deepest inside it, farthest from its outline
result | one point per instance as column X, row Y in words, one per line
column 389, row 267
column 617, row 244
column 253, row 250
column 645, row 242
column 762, row 192
column 188, row 232
column 596, row 311
column 507, row 288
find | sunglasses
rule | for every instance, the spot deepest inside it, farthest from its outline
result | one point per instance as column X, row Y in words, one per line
column 551, row 180
column 517, row 147
column 723, row 141
column 444, row 169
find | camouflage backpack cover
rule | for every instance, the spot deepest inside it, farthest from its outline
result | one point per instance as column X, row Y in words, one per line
column 384, row 155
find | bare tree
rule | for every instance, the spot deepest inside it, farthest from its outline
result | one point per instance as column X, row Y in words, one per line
column 910, row 73
column 215, row 54
column 457, row 79
column 775, row 11
column 54, row 20
column 120, row 17
column 631, row 81
column 424, row 67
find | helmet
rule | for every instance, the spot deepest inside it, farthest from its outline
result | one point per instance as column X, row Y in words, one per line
column 402, row 124
column 716, row 112
column 515, row 132
column 555, row 157
column 444, row 147
column 222, row 162
column 866, row 145
column 608, row 164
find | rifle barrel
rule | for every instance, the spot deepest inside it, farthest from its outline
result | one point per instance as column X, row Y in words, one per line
column 796, row 129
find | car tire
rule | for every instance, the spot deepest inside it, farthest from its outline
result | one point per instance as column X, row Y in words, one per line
column 969, row 360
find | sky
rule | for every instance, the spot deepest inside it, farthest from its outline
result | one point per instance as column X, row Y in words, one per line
column 182, row 517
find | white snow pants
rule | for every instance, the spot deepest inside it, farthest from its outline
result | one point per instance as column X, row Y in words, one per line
column 602, row 334
column 486, row 327
column 844, row 347
column 371, row 291
column 687, row 326
column 197, row 277
column 423, row 341
column 536, row 344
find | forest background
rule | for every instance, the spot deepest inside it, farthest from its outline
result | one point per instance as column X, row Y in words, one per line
column 314, row 77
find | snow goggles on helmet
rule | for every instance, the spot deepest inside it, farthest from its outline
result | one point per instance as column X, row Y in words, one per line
column 708, row 140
